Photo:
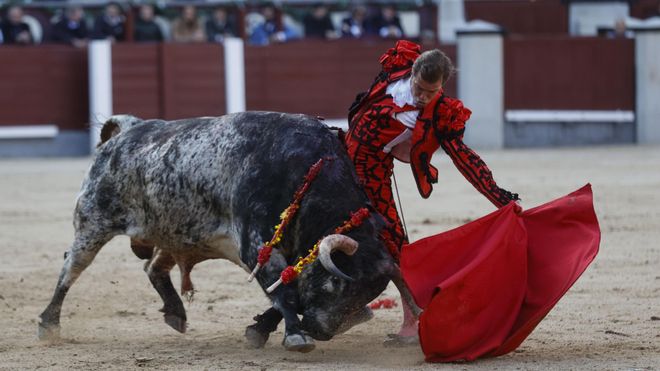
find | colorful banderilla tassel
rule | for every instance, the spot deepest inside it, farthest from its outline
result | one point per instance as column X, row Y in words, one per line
column 285, row 217
column 291, row 272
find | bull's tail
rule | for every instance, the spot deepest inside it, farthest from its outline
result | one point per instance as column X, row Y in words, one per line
column 115, row 125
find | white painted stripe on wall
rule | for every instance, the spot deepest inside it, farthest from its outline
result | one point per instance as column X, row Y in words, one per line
column 569, row 116
column 234, row 74
column 100, row 87
column 28, row 132
column 481, row 85
column 647, row 86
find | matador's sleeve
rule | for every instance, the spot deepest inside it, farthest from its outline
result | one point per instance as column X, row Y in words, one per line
column 474, row 169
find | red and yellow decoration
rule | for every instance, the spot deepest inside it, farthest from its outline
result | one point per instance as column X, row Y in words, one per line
column 385, row 303
column 285, row 217
column 291, row 272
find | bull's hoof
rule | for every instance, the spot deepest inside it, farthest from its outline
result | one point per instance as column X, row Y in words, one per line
column 176, row 322
column 298, row 343
column 48, row 333
column 255, row 339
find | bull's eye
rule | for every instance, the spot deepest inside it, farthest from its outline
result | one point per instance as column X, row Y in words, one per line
column 331, row 284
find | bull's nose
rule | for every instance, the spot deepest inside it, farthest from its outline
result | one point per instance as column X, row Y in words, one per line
column 317, row 334
column 361, row 315
column 313, row 329
column 320, row 336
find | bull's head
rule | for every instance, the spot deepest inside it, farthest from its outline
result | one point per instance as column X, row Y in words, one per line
column 349, row 273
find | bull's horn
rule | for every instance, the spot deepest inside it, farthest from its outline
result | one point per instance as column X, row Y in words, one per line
column 336, row 242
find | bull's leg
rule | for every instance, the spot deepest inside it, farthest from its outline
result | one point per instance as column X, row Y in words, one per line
column 158, row 269
column 285, row 300
column 76, row 259
column 142, row 249
column 258, row 333
column 294, row 339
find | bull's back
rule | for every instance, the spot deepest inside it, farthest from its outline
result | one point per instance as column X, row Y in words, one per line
column 187, row 180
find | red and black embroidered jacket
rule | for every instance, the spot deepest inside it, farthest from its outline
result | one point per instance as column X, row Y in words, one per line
column 440, row 124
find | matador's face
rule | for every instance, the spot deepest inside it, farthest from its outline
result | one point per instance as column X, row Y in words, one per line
column 424, row 91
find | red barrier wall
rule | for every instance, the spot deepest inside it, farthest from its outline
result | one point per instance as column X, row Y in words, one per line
column 569, row 73
column 136, row 85
column 315, row 77
column 521, row 16
column 644, row 8
column 193, row 80
column 42, row 85
column 49, row 85
column 169, row 81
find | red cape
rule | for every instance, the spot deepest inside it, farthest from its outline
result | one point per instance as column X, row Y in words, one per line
column 486, row 285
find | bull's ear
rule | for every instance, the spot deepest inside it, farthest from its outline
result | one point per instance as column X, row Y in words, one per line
column 109, row 129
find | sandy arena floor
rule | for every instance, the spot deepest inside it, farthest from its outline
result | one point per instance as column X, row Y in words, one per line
column 610, row 320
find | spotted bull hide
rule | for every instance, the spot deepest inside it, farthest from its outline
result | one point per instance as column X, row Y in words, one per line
column 214, row 187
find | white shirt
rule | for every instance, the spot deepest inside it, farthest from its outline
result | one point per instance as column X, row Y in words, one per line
column 401, row 93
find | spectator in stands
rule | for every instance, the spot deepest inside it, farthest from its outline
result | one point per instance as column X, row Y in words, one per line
column 354, row 26
column 71, row 29
column 219, row 26
column 318, row 23
column 269, row 31
column 620, row 30
column 188, row 28
column 145, row 28
column 428, row 38
column 387, row 24
column 14, row 30
column 110, row 24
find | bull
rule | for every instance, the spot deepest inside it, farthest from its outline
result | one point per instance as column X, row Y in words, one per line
column 205, row 188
